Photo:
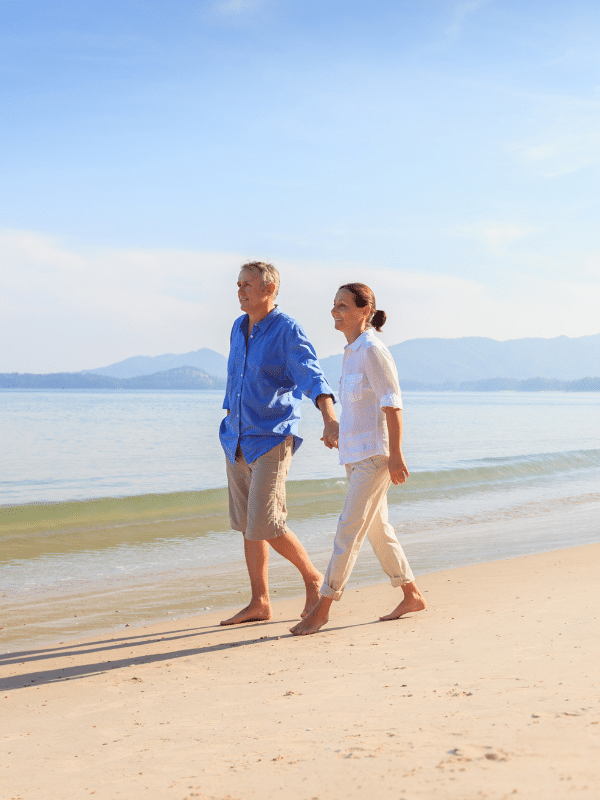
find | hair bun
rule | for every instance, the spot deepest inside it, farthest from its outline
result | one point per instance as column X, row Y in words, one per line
column 378, row 319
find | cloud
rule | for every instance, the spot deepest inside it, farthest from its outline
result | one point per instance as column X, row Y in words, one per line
column 565, row 136
column 495, row 235
column 563, row 154
column 238, row 7
column 65, row 308
column 461, row 13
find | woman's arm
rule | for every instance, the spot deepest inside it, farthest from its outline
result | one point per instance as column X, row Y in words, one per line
column 398, row 469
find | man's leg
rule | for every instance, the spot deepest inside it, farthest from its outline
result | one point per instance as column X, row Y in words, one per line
column 259, row 607
column 239, row 478
column 257, row 506
column 267, row 513
column 290, row 547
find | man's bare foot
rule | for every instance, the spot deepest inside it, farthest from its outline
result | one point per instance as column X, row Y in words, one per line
column 312, row 595
column 254, row 612
column 413, row 601
column 315, row 620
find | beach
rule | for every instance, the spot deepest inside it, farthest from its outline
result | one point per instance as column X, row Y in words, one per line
column 118, row 563
column 490, row 693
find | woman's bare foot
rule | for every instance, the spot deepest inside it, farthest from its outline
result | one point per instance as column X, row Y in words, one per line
column 315, row 620
column 312, row 595
column 255, row 611
column 413, row 601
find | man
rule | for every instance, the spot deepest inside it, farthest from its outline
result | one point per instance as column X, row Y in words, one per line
column 271, row 365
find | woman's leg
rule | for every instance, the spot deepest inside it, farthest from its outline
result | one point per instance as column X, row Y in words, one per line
column 382, row 536
column 391, row 556
column 352, row 528
column 365, row 513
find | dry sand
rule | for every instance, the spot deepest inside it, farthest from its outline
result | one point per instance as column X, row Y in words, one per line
column 491, row 693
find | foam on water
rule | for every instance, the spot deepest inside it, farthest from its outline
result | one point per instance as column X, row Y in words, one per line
column 307, row 498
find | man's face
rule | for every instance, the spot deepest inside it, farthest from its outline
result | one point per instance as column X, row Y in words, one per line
column 253, row 296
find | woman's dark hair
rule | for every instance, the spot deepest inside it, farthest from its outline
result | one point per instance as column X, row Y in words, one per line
column 363, row 296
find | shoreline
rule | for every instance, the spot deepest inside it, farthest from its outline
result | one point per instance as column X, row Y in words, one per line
column 39, row 611
column 491, row 692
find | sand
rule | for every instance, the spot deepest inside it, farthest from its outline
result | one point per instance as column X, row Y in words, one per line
column 490, row 693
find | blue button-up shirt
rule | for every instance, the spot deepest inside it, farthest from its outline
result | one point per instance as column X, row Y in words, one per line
column 267, row 374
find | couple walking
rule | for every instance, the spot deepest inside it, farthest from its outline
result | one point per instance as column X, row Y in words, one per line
column 271, row 365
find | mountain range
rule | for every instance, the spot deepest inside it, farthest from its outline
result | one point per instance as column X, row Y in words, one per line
column 209, row 361
column 468, row 363
column 450, row 362
column 178, row 378
column 428, row 361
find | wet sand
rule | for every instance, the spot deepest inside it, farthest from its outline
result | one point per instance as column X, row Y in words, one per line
column 493, row 692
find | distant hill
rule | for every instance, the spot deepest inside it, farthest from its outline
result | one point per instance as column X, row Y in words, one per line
column 453, row 361
column 467, row 364
column 179, row 378
column 209, row 361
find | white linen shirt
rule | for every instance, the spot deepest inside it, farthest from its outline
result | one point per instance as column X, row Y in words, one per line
column 368, row 384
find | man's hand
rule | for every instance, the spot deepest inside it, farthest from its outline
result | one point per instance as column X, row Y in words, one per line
column 398, row 469
column 331, row 431
column 331, row 434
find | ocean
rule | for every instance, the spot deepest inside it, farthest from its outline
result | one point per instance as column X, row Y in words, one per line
column 113, row 507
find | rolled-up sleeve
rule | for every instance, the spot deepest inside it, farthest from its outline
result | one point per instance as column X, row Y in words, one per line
column 303, row 365
column 383, row 377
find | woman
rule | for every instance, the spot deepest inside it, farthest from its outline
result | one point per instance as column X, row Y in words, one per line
column 370, row 446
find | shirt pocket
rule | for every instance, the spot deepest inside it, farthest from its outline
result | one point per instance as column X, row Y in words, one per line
column 352, row 387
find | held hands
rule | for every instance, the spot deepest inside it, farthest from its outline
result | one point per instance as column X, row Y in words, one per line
column 398, row 469
column 331, row 433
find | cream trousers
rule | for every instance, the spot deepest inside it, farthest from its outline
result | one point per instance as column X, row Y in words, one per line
column 365, row 514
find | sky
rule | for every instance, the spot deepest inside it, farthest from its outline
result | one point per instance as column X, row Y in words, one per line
column 445, row 153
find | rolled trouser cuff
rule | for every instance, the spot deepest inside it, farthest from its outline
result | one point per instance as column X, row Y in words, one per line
column 396, row 581
column 332, row 594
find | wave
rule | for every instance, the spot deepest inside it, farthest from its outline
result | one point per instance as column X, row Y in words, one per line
column 206, row 510
column 507, row 468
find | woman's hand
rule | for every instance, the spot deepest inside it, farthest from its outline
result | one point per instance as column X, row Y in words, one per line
column 398, row 469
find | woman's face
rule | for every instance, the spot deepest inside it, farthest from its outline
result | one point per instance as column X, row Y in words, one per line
column 347, row 316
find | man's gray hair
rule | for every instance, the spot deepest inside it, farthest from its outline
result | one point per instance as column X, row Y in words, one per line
column 267, row 272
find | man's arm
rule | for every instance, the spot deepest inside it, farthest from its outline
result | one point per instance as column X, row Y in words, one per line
column 331, row 429
column 304, row 369
column 396, row 465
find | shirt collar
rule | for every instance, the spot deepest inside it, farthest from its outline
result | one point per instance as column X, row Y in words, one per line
column 266, row 321
column 362, row 339
column 263, row 324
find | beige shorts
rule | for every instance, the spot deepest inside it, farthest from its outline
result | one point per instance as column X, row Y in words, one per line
column 257, row 492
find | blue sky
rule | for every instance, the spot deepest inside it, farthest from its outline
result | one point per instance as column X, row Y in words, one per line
column 446, row 153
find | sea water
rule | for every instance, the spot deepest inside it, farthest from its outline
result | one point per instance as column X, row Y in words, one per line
column 113, row 507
